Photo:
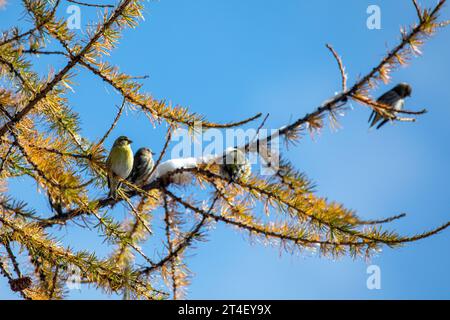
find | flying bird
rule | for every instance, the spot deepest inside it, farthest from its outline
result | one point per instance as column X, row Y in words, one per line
column 119, row 164
column 142, row 167
column 394, row 98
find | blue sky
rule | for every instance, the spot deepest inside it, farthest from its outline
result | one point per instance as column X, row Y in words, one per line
column 229, row 59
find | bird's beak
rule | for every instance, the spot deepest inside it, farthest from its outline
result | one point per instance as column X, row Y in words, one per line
column 152, row 153
column 130, row 141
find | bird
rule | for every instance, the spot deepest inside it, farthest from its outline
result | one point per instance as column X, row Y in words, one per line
column 394, row 98
column 119, row 164
column 142, row 167
column 235, row 165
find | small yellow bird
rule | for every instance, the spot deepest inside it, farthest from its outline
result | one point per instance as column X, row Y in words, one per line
column 119, row 164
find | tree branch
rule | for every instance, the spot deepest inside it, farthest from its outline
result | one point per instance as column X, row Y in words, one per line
column 61, row 74
column 91, row 4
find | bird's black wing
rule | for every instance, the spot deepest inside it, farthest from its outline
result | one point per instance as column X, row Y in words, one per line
column 390, row 98
column 134, row 173
column 139, row 168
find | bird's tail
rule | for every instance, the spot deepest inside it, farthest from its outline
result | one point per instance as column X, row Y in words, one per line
column 375, row 118
column 382, row 123
column 113, row 184
column 371, row 116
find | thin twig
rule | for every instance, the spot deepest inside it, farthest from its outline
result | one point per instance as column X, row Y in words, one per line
column 5, row 159
column 13, row 259
column 168, row 224
column 163, row 152
column 387, row 220
column 43, row 52
column 113, row 125
column 256, row 138
column 91, row 4
column 138, row 216
column 54, row 283
column 140, row 77
column 341, row 67
column 61, row 153
column 418, row 10
column 5, row 272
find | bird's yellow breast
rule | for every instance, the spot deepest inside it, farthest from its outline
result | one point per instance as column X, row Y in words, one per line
column 120, row 161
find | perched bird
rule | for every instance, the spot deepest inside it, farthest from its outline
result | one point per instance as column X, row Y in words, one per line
column 394, row 98
column 235, row 165
column 119, row 164
column 142, row 167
